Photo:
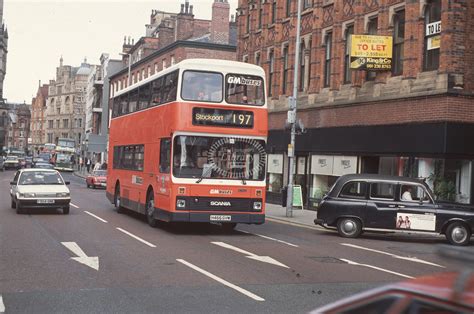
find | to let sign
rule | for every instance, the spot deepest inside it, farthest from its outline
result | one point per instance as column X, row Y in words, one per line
column 433, row 28
column 370, row 52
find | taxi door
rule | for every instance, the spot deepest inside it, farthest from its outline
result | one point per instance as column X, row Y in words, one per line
column 381, row 205
column 415, row 209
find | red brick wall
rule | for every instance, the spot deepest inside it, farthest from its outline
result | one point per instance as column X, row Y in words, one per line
column 220, row 22
column 426, row 109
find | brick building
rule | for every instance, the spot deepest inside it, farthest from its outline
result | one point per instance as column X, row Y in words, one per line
column 416, row 120
column 38, row 117
column 17, row 126
column 172, row 37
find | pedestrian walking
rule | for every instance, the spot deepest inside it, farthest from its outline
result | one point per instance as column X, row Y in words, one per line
column 97, row 165
column 104, row 166
column 88, row 164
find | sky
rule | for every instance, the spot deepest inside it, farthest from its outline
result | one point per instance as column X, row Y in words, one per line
column 41, row 31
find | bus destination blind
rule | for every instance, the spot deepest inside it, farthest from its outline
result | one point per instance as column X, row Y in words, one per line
column 221, row 117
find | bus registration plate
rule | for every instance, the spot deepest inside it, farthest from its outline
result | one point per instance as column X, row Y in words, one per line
column 220, row 218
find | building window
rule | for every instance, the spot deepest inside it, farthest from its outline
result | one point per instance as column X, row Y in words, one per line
column 398, row 42
column 57, row 124
column 274, row 11
column 247, row 24
column 327, row 59
column 260, row 15
column 65, row 123
column 302, row 66
column 372, row 30
column 80, row 123
column 288, row 8
column 347, row 55
column 307, row 4
column 271, row 68
column 432, row 35
column 50, row 137
column 50, row 124
column 286, row 65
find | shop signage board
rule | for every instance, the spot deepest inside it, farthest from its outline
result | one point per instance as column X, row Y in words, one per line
column 344, row 165
column 275, row 163
column 371, row 52
column 322, row 164
column 297, row 196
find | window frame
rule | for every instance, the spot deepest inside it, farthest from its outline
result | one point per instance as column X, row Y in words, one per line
column 345, row 196
column 286, row 65
column 202, row 71
column 427, row 20
column 395, row 185
column 327, row 58
column 397, row 64
column 167, row 163
column 244, row 104
column 347, row 54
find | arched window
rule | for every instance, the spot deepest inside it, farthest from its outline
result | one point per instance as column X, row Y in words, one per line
column 432, row 35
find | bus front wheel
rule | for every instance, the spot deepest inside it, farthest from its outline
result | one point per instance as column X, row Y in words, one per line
column 118, row 200
column 150, row 210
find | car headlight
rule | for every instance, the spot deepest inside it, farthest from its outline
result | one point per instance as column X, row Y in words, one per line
column 180, row 203
column 64, row 194
column 30, row 195
column 20, row 195
column 257, row 206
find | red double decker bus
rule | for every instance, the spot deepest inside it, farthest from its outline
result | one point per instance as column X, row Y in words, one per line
column 188, row 143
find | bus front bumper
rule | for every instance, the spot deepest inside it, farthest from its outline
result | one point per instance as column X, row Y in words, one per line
column 209, row 217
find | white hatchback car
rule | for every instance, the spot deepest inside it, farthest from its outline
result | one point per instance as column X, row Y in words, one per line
column 39, row 188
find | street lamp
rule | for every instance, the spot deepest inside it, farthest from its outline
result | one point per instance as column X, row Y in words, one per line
column 129, row 66
column 292, row 118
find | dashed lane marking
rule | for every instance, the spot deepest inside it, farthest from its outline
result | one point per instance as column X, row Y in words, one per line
column 97, row 217
column 410, row 259
column 75, row 206
column 269, row 238
column 136, row 237
column 376, row 268
column 222, row 281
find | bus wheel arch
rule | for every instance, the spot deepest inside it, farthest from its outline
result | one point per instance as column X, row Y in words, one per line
column 150, row 208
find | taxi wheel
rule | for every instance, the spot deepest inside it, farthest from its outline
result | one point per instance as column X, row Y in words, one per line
column 349, row 227
column 458, row 234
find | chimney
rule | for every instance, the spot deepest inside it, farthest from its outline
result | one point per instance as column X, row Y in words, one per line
column 220, row 22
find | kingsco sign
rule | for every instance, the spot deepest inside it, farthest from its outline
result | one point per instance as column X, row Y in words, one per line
column 371, row 53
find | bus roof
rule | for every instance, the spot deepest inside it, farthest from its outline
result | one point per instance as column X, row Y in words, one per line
column 213, row 65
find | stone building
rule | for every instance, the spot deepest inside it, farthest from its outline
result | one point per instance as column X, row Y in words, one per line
column 172, row 37
column 17, row 126
column 38, row 117
column 3, row 49
column 415, row 120
column 65, row 113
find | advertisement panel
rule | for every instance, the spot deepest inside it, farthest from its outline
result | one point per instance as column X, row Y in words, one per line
column 371, row 52
column 408, row 221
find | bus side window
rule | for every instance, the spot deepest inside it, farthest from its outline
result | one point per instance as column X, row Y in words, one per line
column 156, row 92
column 124, row 104
column 165, row 155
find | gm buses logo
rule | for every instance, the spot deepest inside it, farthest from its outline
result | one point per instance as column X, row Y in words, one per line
column 237, row 158
column 220, row 192
column 240, row 80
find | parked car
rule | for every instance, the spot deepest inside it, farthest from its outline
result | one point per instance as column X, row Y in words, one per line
column 39, row 188
column 363, row 202
column 437, row 293
column 43, row 165
column 98, row 178
column 12, row 162
column 2, row 164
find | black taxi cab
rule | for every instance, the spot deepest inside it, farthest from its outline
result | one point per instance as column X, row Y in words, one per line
column 366, row 202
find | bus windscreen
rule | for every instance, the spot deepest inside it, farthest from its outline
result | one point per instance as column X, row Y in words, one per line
column 219, row 158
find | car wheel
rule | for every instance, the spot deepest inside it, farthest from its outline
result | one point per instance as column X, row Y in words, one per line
column 19, row 209
column 150, row 211
column 13, row 204
column 349, row 227
column 228, row 226
column 458, row 234
column 66, row 210
column 118, row 200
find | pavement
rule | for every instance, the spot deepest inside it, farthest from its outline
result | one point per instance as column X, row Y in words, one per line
column 273, row 211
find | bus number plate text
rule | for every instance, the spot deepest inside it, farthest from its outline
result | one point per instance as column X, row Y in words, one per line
column 220, row 218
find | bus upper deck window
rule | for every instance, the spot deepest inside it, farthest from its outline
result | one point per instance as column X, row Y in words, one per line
column 202, row 86
column 244, row 90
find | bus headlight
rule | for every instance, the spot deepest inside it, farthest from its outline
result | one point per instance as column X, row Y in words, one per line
column 180, row 203
column 257, row 206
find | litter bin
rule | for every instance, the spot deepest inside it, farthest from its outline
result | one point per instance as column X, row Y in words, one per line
column 284, row 196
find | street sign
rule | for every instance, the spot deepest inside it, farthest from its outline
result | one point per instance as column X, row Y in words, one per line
column 371, row 52
column 297, row 196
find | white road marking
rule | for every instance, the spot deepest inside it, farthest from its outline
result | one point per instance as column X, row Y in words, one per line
column 411, row 259
column 2, row 306
column 222, row 281
column 376, row 268
column 75, row 206
column 265, row 259
column 91, row 261
column 97, row 217
column 295, row 224
column 268, row 238
column 135, row 237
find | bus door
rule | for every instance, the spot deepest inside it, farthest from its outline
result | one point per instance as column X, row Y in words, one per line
column 164, row 176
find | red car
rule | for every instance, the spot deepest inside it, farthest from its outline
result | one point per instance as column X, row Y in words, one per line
column 440, row 293
column 98, row 178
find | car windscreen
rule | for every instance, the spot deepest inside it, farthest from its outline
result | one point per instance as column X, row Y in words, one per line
column 40, row 178
column 219, row 157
